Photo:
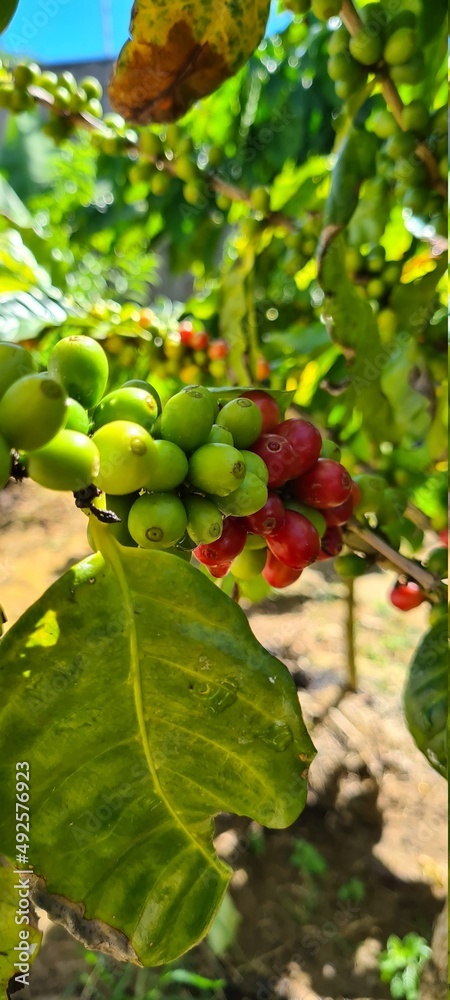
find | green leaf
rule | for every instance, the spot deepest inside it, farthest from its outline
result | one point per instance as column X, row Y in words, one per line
column 7, row 12
column 426, row 696
column 163, row 711
column 352, row 325
column 12, row 208
column 224, row 929
column 179, row 53
column 414, row 302
column 10, row 930
column 354, row 164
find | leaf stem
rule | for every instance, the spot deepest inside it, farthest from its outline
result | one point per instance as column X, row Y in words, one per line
column 350, row 17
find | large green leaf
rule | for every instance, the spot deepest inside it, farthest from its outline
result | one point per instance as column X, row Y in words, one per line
column 145, row 706
column 354, row 164
column 14, row 934
column 181, row 52
column 426, row 696
column 7, row 12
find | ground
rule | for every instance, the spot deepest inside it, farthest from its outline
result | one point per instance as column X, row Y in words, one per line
column 376, row 811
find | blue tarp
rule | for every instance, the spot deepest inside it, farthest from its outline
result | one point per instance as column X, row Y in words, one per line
column 69, row 31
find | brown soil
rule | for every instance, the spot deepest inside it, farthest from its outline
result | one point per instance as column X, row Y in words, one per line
column 376, row 811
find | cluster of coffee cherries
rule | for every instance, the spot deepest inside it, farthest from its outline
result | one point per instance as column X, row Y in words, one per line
column 309, row 498
column 226, row 479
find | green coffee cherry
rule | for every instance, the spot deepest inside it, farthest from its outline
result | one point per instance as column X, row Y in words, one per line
column 70, row 461
column 249, row 564
column 256, row 465
column 32, row 411
column 146, row 387
column 15, row 362
column 127, row 457
column 246, row 500
column 187, row 419
column 316, row 518
column 260, row 199
column 415, row 117
column 330, row 450
column 338, row 41
column 76, row 417
column 410, row 72
column 157, row 521
column 169, row 470
column 324, row 9
column 400, row 46
column 216, row 469
column 130, row 403
column 220, row 435
column 211, row 397
column 92, row 87
column 80, row 364
column 204, row 520
column 243, row 420
column 384, row 124
column 350, row 566
column 5, row 462
column 255, row 542
column 366, row 47
column 121, row 506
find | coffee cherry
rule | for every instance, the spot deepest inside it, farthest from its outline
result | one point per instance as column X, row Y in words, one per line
column 325, row 9
column 331, row 544
column 204, row 520
column 187, row 419
column 146, row 387
column 218, row 350
column 76, row 417
column 217, row 469
column 5, row 462
column 415, row 117
column 316, row 517
column 135, row 405
column 218, row 572
column 277, row 574
column 270, row 411
column 255, row 465
column 326, row 485
column 81, row 366
column 249, row 564
column 15, row 363
column 243, row 420
column 121, row 506
column 366, row 47
column 157, row 521
column 335, row 517
column 406, row 596
column 227, row 547
column 127, row 457
column 169, row 468
column 220, row 435
column 249, row 497
column 306, row 442
column 330, row 450
column 70, row 461
column 400, row 46
column 32, row 411
column 278, row 455
column 296, row 543
column 199, row 340
column 255, row 542
column 270, row 518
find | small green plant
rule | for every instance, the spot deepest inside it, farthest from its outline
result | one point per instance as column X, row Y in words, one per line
column 307, row 858
column 402, row 964
column 146, row 984
column 353, row 891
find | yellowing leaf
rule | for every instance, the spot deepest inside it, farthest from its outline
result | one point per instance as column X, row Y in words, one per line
column 180, row 52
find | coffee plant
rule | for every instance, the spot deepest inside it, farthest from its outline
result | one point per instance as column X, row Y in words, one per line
column 281, row 403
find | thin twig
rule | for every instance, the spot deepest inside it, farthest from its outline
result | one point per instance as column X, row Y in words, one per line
column 429, row 583
column 352, row 681
column 350, row 17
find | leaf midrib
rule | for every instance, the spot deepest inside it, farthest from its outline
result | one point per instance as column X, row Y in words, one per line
column 109, row 551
